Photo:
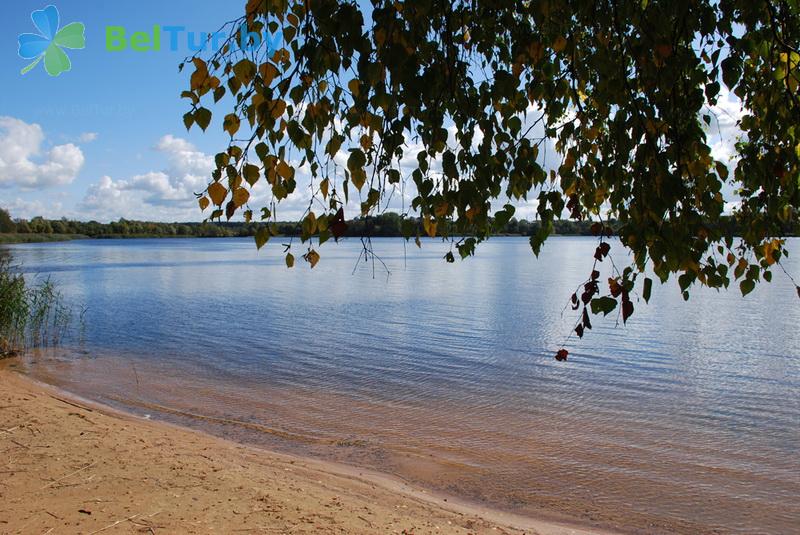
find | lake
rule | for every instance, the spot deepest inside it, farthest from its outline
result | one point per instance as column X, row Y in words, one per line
column 687, row 419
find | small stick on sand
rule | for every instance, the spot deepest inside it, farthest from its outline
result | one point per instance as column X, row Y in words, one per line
column 69, row 475
column 71, row 403
column 118, row 522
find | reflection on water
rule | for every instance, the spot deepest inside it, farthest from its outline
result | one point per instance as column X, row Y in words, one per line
column 687, row 419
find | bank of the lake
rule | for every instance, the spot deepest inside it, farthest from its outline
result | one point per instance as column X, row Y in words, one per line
column 73, row 466
column 8, row 237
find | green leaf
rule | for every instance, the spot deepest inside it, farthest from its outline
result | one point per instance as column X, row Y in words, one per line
column 262, row 236
column 502, row 217
column 188, row 120
column 202, row 117
column 747, row 286
column 603, row 304
column 245, row 71
column 648, row 287
column 251, row 173
column 731, row 71
column 356, row 160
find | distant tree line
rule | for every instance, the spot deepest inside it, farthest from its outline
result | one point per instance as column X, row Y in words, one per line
column 388, row 224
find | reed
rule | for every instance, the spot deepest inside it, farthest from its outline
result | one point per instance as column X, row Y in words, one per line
column 32, row 314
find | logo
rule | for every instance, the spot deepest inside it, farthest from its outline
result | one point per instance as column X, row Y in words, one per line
column 49, row 43
column 177, row 38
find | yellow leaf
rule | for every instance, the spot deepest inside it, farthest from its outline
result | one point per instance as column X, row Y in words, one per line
column 231, row 124
column 358, row 177
column 569, row 161
column 289, row 260
column 217, row 192
column 204, row 202
column 262, row 237
column 599, row 195
column 284, row 170
column 309, row 224
column 535, row 51
column 268, row 72
column 312, row 257
column 278, row 107
column 240, row 197
column 379, row 36
column 430, row 226
column 281, row 55
column 200, row 75
column 251, row 173
column 664, row 50
column 323, row 187
column 769, row 250
column 354, row 86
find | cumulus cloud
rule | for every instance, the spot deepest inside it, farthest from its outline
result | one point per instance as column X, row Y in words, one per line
column 165, row 195
column 724, row 130
column 25, row 164
column 87, row 137
column 28, row 209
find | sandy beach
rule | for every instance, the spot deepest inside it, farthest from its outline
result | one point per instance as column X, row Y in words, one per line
column 71, row 466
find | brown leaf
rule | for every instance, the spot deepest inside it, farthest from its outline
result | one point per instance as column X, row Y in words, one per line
column 240, row 197
column 268, row 72
column 312, row 257
column 627, row 310
column 337, row 226
column 217, row 192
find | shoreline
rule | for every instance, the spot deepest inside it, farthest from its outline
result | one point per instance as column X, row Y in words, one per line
column 91, row 452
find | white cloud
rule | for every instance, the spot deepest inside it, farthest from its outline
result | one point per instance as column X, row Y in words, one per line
column 21, row 149
column 166, row 195
column 724, row 130
column 28, row 209
column 87, row 137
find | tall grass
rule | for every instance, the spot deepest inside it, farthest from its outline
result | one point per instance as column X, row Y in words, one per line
column 31, row 314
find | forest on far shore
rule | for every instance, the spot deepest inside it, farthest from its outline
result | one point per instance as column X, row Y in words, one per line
column 388, row 224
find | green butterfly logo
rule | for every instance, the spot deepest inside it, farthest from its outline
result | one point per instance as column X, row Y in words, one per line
column 49, row 42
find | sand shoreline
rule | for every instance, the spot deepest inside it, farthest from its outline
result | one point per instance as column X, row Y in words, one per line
column 70, row 465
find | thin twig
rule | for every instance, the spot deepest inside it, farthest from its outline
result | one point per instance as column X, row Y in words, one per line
column 118, row 522
column 68, row 475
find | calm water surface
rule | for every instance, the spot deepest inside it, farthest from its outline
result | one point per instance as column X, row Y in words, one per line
column 685, row 420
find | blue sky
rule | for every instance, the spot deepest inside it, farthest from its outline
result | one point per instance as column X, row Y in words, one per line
column 127, row 101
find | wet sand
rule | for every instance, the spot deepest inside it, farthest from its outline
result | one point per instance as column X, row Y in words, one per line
column 564, row 467
column 72, row 466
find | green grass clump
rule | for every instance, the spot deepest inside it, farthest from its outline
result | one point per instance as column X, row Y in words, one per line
column 31, row 314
